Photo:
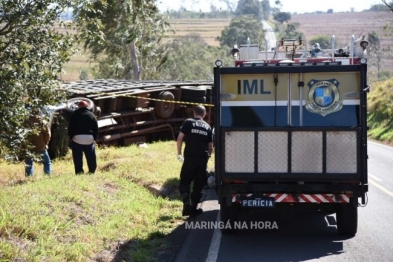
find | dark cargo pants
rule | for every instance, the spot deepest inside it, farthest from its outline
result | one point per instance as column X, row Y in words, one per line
column 193, row 170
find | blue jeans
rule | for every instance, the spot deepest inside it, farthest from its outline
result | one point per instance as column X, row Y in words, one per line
column 77, row 156
column 29, row 164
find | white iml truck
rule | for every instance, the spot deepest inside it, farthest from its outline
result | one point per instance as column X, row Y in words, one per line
column 291, row 131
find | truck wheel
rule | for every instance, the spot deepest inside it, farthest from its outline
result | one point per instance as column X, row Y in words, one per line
column 228, row 217
column 347, row 219
column 193, row 91
column 197, row 99
column 72, row 103
column 165, row 109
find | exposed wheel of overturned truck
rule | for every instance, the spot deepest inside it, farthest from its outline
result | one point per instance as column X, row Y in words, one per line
column 193, row 91
column 228, row 217
column 197, row 99
column 72, row 103
column 347, row 219
column 165, row 109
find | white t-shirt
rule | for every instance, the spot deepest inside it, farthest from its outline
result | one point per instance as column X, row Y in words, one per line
column 83, row 139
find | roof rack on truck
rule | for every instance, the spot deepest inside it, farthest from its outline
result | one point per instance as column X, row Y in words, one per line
column 296, row 50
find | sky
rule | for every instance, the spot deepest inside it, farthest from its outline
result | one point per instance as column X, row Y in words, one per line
column 291, row 6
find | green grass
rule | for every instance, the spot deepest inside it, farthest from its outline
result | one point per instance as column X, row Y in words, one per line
column 380, row 108
column 100, row 217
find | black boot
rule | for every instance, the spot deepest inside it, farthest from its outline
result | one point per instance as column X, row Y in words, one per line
column 186, row 209
column 186, row 204
column 195, row 211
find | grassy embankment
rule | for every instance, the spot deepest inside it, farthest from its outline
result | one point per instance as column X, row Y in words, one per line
column 109, row 216
column 380, row 106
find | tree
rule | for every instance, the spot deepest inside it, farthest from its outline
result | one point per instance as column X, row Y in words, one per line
column 375, row 48
column 388, row 5
column 128, row 31
column 324, row 41
column 265, row 9
column 388, row 26
column 32, row 54
column 277, row 7
column 239, row 29
column 229, row 4
column 282, row 17
column 249, row 7
column 291, row 31
column 380, row 7
column 190, row 58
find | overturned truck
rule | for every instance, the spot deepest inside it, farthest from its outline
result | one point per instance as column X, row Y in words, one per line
column 130, row 112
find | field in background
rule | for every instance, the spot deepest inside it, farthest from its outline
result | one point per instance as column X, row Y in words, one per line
column 78, row 63
column 72, row 71
column 342, row 25
column 208, row 29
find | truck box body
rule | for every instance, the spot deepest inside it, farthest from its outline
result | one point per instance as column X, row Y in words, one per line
column 291, row 133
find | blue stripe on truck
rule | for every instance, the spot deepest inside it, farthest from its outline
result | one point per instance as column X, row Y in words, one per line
column 263, row 116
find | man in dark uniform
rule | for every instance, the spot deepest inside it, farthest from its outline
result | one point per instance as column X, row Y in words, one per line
column 83, row 131
column 198, row 138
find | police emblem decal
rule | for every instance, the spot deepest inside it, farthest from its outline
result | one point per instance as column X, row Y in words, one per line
column 323, row 97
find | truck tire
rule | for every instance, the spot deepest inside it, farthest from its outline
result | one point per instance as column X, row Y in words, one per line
column 196, row 99
column 165, row 109
column 72, row 103
column 193, row 91
column 209, row 95
column 347, row 219
column 228, row 217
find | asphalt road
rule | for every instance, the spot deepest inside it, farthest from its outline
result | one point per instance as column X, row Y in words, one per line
column 269, row 35
column 302, row 236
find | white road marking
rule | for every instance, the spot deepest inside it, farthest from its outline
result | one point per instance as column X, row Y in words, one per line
column 375, row 177
column 387, row 191
column 215, row 243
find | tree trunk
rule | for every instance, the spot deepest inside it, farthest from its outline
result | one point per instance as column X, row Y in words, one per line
column 134, row 61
